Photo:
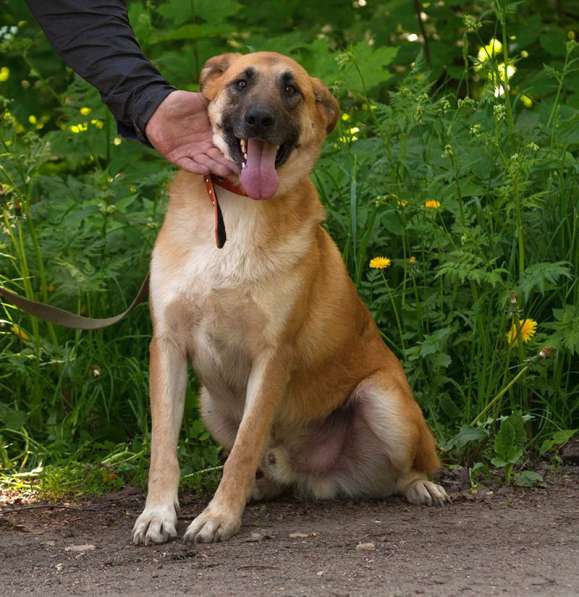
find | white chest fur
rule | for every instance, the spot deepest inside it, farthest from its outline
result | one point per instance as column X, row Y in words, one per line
column 225, row 305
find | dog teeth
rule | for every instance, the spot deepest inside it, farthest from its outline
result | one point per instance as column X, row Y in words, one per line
column 243, row 145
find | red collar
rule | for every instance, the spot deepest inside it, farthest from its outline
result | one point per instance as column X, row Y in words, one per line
column 219, row 226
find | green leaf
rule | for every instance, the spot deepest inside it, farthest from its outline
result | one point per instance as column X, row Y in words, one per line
column 12, row 418
column 467, row 436
column 558, row 439
column 566, row 328
column 214, row 11
column 510, row 441
column 362, row 67
column 554, row 42
column 528, row 479
column 539, row 275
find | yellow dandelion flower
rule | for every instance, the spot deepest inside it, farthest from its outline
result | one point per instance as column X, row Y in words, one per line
column 85, row 111
column 432, row 204
column 117, row 141
column 527, row 101
column 74, row 128
column 98, row 123
column 345, row 116
column 524, row 331
column 4, row 74
column 380, row 263
column 19, row 332
column 32, row 119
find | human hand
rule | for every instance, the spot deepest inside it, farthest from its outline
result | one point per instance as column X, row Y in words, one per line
column 181, row 132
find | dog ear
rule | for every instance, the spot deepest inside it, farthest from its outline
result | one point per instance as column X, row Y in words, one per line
column 213, row 69
column 327, row 104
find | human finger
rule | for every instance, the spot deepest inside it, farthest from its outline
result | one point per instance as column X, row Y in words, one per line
column 215, row 154
column 192, row 165
column 213, row 165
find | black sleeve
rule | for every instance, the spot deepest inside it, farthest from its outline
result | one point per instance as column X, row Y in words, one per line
column 95, row 39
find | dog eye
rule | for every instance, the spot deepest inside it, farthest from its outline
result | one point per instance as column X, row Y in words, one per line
column 290, row 90
column 241, row 84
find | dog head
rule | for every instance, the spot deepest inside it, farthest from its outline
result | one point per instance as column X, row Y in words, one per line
column 269, row 116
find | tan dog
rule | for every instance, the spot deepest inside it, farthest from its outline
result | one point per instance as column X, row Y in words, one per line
column 296, row 381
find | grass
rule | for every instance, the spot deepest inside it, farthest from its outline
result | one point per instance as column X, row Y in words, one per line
column 469, row 192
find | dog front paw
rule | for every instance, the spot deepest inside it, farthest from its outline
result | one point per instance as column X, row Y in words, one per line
column 156, row 524
column 213, row 524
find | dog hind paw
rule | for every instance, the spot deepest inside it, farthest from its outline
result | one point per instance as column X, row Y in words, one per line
column 423, row 492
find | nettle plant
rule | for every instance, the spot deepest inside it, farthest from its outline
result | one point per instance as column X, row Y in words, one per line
column 461, row 230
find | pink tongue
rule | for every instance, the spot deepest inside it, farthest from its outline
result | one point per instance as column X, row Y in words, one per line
column 259, row 177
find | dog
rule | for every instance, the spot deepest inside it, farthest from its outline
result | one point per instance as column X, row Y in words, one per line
column 297, row 385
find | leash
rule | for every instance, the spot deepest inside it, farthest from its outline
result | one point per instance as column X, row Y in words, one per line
column 68, row 319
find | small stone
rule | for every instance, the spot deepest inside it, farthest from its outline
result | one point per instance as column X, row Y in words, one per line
column 59, row 567
column 255, row 538
column 365, row 547
column 302, row 535
column 80, row 548
column 570, row 452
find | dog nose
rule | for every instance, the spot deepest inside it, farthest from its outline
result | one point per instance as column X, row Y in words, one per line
column 259, row 119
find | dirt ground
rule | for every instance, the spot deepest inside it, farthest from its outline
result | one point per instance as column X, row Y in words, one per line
column 507, row 542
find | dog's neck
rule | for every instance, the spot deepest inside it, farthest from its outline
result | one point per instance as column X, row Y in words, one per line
column 250, row 224
column 273, row 219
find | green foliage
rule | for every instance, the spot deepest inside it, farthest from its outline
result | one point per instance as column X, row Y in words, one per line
column 456, row 159
column 510, row 441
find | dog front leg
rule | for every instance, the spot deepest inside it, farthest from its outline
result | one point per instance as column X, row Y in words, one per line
column 167, row 381
column 265, row 389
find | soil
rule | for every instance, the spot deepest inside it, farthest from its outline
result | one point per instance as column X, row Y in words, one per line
column 504, row 542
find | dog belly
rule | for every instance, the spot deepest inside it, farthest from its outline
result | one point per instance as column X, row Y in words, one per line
column 339, row 456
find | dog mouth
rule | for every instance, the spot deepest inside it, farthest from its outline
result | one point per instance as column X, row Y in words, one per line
column 260, row 161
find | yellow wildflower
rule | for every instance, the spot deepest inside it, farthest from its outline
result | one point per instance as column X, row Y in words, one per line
column 432, row 204
column 85, row 111
column 491, row 49
column 524, row 54
column 117, row 141
column 345, row 116
column 412, row 260
column 73, row 128
column 19, row 332
column 380, row 263
column 4, row 74
column 524, row 331
column 506, row 71
column 527, row 101
column 98, row 123
column 32, row 119
column 402, row 202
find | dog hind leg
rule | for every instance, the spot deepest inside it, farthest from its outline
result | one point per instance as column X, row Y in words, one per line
column 396, row 419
